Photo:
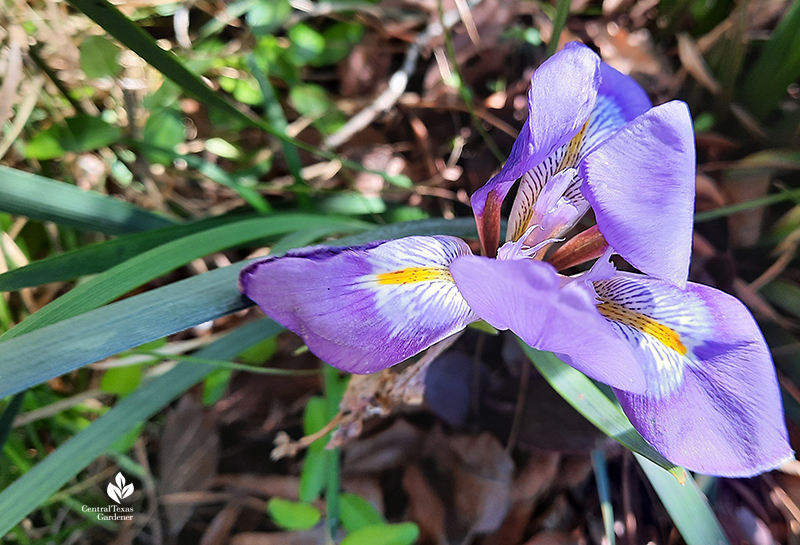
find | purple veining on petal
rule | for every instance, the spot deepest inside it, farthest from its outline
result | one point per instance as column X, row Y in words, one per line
column 561, row 97
column 364, row 308
column 715, row 409
column 526, row 297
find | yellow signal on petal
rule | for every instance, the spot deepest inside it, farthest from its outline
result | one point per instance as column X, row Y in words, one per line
column 412, row 275
column 571, row 155
column 666, row 335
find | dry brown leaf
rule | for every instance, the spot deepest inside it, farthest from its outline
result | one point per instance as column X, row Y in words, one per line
column 425, row 507
column 694, row 63
column 310, row 537
column 555, row 538
column 709, row 195
column 188, row 456
column 482, row 472
column 741, row 185
column 218, row 531
column 283, row 486
column 632, row 53
column 392, row 448
column 536, row 477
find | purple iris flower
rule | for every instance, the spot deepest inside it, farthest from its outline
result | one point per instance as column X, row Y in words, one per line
column 687, row 362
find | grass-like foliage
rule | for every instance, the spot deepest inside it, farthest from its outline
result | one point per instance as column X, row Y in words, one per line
column 151, row 152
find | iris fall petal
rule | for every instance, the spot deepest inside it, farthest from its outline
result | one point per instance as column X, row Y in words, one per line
column 524, row 296
column 712, row 403
column 364, row 308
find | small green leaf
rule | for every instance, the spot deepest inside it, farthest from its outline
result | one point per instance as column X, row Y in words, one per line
column 340, row 38
column 260, row 353
column 247, row 91
column 314, row 419
column 267, row 15
column 405, row 533
column 163, row 129
column 87, row 132
column 222, row 148
column 292, row 515
column 215, row 385
column 121, row 380
column 44, row 145
column 312, row 100
column 99, row 57
column 307, row 43
column 313, row 476
column 78, row 134
column 357, row 513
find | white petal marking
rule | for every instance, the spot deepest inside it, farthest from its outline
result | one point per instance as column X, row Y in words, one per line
column 412, row 283
column 662, row 324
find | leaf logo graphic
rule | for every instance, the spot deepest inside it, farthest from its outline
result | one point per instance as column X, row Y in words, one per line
column 121, row 490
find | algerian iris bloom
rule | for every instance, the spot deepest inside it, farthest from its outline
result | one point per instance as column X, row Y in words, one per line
column 687, row 362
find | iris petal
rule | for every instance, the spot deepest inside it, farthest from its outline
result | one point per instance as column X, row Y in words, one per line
column 525, row 296
column 641, row 185
column 562, row 95
column 552, row 212
column 619, row 100
column 712, row 402
column 364, row 308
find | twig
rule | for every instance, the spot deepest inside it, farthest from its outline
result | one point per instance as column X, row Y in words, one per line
column 397, row 83
column 18, row 44
column 58, row 407
column 151, row 517
column 284, row 446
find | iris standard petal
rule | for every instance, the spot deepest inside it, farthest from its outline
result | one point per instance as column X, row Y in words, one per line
column 619, row 100
column 641, row 185
column 562, row 95
column 364, row 308
column 525, row 296
column 712, row 403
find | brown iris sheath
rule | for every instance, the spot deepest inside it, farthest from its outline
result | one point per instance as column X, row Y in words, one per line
column 581, row 248
column 489, row 230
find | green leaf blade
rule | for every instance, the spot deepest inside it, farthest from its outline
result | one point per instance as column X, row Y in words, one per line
column 40, row 198
column 51, row 351
column 34, row 487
